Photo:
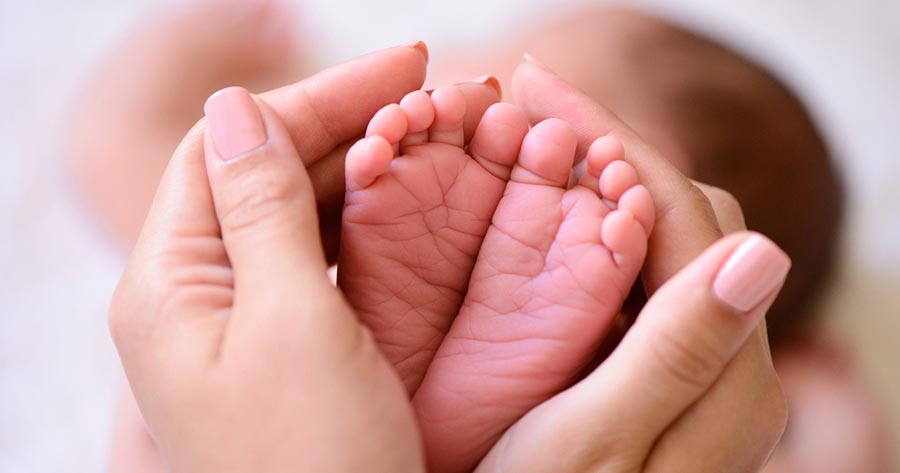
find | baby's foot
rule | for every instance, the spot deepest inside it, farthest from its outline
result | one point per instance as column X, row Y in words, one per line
column 418, row 203
column 553, row 272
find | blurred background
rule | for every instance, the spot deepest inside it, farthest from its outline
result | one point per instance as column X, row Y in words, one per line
column 65, row 65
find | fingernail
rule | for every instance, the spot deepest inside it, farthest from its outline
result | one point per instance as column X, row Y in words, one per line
column 234, row 122
column 490, row 81
column 533, row 60
column 420, row 45
column 753, row 272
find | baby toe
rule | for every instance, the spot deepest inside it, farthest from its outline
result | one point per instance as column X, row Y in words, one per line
column 390, row 123
column 498, row 139
column 449, row 115
column 615, row 179
column 547, row 155
column 366, row 160
column 624, row 237
column 419, row 111
column 603, row 151
column 639, row 202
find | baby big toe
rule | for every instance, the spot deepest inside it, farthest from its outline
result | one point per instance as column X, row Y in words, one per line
column 547, row 155
column 498, row 139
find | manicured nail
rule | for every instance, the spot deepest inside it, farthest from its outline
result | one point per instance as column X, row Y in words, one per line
column 420, row 45
column 533, row 60
column 234, row 122
column 490, row 81
column 755, row 269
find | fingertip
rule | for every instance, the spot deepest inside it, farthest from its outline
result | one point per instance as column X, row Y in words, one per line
column 421, row 48
column 751, row 274
column 234, row 122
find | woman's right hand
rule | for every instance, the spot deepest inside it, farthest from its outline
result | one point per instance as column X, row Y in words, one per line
column 240, row 352
column 691, row 387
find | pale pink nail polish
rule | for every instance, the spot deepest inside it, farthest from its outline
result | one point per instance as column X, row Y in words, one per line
column 422, row 47
column 234, row 122
column 489, row 81
column 535, row 61
column 755, row 269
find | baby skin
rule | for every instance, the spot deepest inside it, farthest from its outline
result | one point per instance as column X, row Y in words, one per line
column 486, row 278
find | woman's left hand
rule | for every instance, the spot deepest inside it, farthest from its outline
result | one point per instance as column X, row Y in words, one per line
column 240, row 352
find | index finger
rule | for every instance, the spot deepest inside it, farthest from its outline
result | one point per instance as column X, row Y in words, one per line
column 335, row 105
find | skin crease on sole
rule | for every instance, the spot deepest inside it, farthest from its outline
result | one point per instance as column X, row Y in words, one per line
column 419, row 201
column 555, row 266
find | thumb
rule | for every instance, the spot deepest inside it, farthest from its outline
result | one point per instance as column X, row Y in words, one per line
column 263, row 200
column 680, row 344
column 690, row 330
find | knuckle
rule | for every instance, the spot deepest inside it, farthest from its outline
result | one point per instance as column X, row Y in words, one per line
column 726, row 200
column 257, row 203
column 693, row 364
column 725, row 205
column 721, row 196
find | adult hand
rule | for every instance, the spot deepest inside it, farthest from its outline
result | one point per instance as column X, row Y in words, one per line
column 324, row 115
column 240, row 352
column 697, row 372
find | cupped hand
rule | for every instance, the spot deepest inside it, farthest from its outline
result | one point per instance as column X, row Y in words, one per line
column 322, row 116
column 240, row 352
column 691, row 387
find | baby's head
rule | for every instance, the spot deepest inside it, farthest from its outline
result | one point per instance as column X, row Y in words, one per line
column 719, row 117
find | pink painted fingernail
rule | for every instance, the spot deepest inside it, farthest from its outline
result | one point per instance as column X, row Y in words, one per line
column 489, row 81
column 234, row 122
column 753, row 272
column 535, row 61
column 421, row 46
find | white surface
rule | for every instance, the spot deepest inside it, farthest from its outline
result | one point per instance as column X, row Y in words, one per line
column 58, row 371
